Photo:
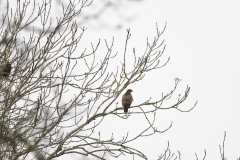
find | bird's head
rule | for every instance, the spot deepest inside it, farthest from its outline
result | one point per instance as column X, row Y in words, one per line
column 129, row 90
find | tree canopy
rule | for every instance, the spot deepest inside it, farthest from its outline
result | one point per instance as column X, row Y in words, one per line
column 58, row 91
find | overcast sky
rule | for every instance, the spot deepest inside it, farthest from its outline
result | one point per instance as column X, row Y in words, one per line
column 203, row 41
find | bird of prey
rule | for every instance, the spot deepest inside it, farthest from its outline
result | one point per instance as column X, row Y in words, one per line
column 6, row 70
column 127, row 100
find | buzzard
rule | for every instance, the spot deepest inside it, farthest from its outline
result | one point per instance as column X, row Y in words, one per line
column 127, row 100
column 6, row 70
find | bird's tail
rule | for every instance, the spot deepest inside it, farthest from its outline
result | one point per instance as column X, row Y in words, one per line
column 125, row 109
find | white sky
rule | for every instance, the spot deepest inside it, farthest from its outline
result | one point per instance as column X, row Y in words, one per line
column 202, row 39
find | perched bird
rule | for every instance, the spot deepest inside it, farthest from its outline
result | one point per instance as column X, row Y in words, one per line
column 127, row 100
column 6, row 70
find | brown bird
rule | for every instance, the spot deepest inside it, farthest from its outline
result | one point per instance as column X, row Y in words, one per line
column 127, row 100
column 6, row 70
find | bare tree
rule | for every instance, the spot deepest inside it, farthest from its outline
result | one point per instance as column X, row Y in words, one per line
column 58, row 92
column 221, row 149
column 168, row 155
column 95, row 12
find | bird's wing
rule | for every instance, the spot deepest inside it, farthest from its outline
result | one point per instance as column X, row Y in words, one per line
column 127, row 100
column 124, row 100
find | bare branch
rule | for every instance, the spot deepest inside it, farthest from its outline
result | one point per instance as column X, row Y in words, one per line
column 58, row 92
